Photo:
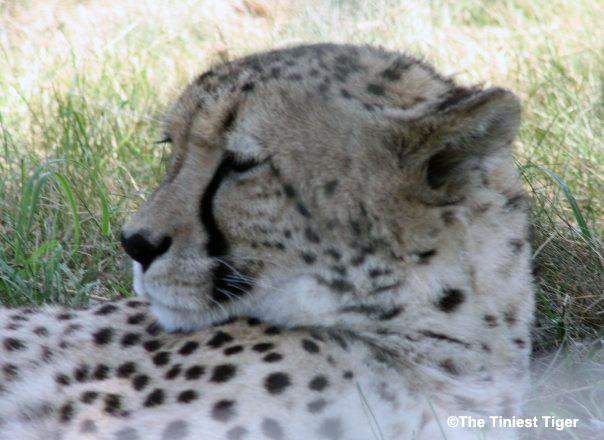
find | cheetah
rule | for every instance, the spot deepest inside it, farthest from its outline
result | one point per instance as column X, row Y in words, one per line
column 338, row 250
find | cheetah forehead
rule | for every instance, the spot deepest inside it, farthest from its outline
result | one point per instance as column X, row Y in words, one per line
column 363, row 77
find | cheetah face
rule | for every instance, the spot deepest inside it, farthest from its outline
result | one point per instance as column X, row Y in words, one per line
column 305, row 184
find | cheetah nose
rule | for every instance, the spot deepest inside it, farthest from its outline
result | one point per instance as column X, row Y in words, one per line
column 141, row 249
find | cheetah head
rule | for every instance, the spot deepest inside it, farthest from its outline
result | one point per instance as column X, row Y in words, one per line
column 329, row 185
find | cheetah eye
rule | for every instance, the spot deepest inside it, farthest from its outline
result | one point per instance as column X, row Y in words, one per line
column 236, row 165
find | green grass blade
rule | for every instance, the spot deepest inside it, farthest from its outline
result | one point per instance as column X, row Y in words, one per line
column 585, row 232
column 71, row 202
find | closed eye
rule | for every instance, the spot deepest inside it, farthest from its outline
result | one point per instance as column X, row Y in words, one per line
column 230, row 163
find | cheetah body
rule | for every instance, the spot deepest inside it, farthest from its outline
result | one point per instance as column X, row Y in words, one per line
column 360, row 213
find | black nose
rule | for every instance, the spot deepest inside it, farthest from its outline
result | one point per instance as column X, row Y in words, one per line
column 142, row 250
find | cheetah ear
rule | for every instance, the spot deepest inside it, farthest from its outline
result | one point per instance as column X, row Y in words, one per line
column 466, row 129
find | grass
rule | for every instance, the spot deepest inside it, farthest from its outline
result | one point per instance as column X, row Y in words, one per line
column 83, row 85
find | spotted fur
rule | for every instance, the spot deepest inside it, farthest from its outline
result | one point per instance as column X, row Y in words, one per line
column 338, row 251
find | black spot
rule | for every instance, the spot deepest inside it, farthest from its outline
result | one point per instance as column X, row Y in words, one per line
column 126, row 369
column 252, row 322
column 302, row 210
column 345, row 93
column 47, row 354
column 236, row 433
column 390, row 314
column 272, row 357
column 130, row 339
column 521, row 343
column 451, row 299
column 140, row 381
column 516, row 201
column 219, row 339
column 263, row 346
column 12, row 344
column 134, row 303
column 333, row 253
column 509, row 316
column 357, row 260
column 136, row 318
column 310, row 346
column 318, row 383
column 348, row 375
column 62, row 379
column 394, row 72
column 65, row 316
column 516, row 245
column 195, row 372
column 272, row 429
column 106, row 309
column 378, row 272
column 161, row 358
column 72, row 328
column 294, row 77
column 375, row 89
column 41, row 331
column 188, row 348
column 228, row 121
column 316, row 406
column 154, row 329
column 10, row 371
column 101, row 372
column 66, row 412
column 272, row 330
column 187, row 396
column 112, row 403
column 289, row 190
column 223, row 373
column 340, row 285
column 425, row 256
column 490, row 320
column 103, row 336
column 173, row 372
column 248, row 87
column 276, row 383
column 81, row 373
column 156, row 397
column 229, row 351
column 223, row 410
column 331, row 429
column 449, row 366
column 308, row 257
column 152, row 345
column 312, row 236
column 88, row 396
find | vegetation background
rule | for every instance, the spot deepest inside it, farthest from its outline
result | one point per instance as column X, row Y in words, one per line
column 83, row 84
